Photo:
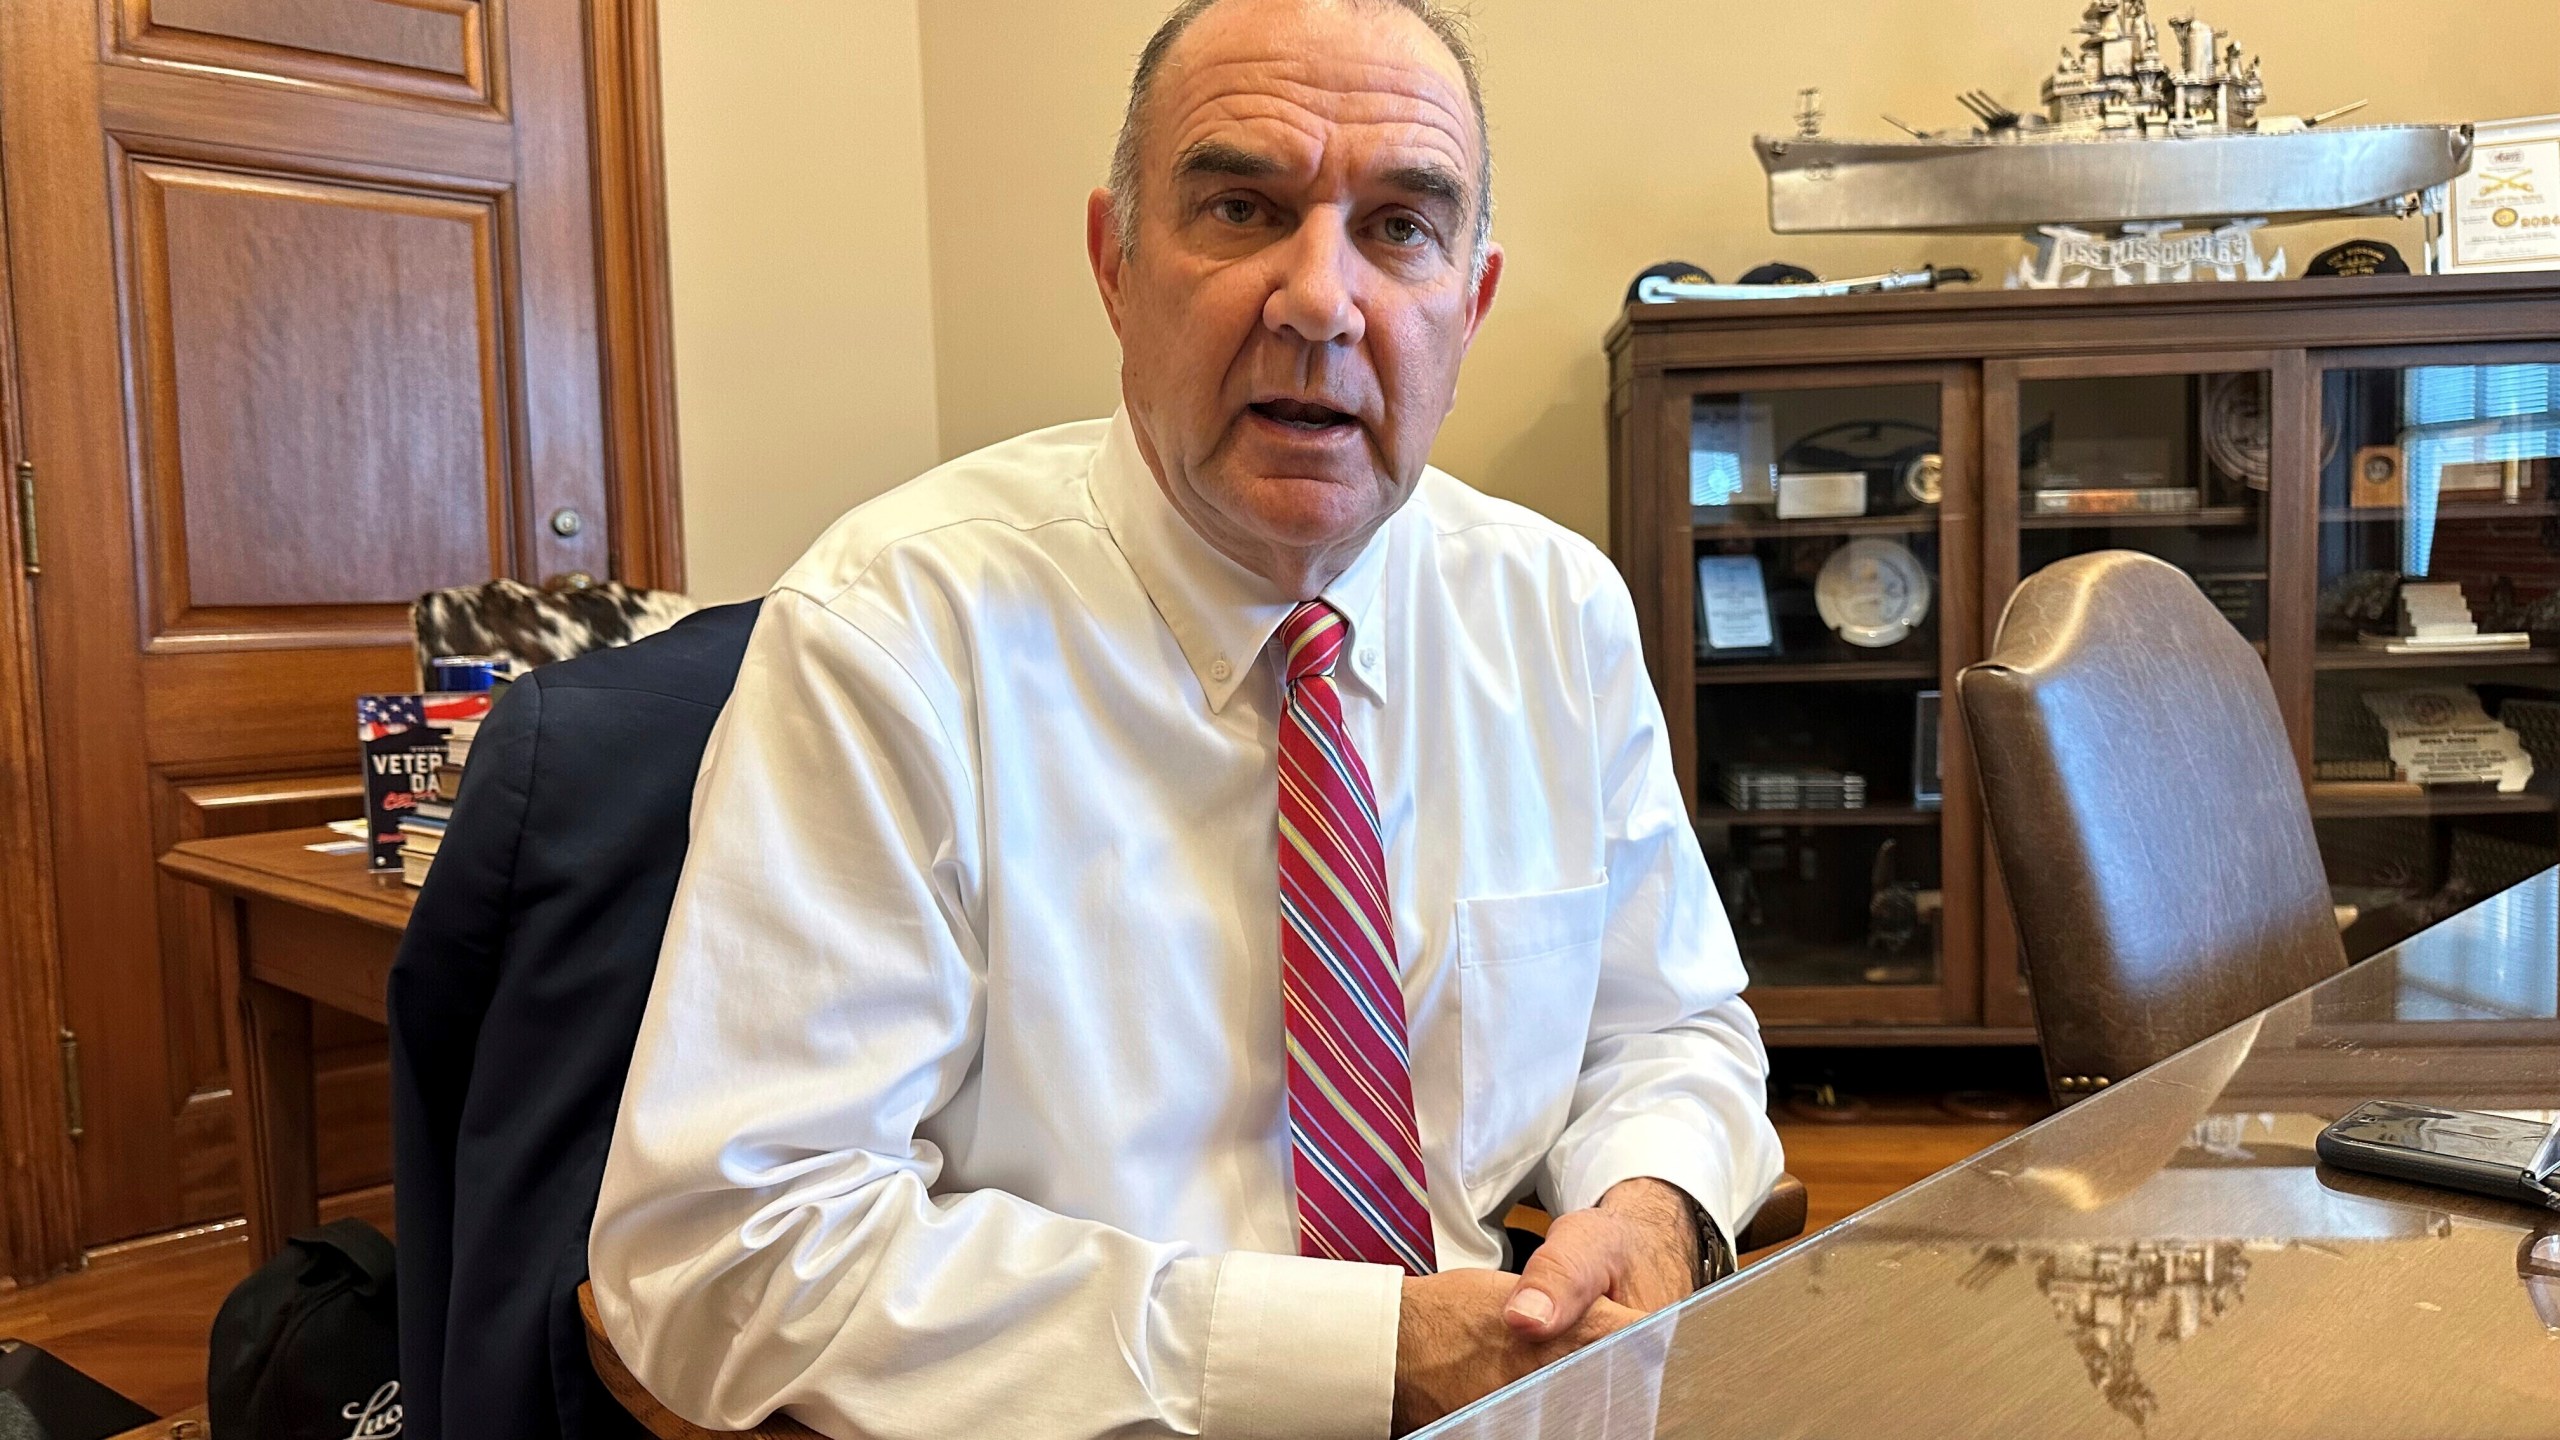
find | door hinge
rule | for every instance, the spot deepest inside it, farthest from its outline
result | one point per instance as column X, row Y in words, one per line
column 73, row 1119
column 27, row 553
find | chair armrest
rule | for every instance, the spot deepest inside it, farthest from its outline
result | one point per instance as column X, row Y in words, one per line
column 1779, row 1219
column 655, row 1418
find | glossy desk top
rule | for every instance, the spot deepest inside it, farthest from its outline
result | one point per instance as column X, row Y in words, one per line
column 280, row 865
column 2164, row 1259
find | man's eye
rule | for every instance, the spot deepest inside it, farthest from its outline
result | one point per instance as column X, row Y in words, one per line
column 1235, row 210
column 1402, row 230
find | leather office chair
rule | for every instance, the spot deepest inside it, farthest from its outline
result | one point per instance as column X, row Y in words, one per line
column 2148, row 815
column 1779, row 1219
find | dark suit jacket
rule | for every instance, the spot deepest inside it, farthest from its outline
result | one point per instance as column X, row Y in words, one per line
column 514, row 1005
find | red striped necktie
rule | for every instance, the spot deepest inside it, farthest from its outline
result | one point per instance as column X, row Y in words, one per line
column 1358, row 1162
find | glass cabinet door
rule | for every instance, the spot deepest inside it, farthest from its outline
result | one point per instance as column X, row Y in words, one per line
column 2438, row 617
column 2176, row 464
column 1828, row 531
column 2176, row 456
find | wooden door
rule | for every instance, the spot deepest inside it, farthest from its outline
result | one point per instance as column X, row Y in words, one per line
column 312, row 316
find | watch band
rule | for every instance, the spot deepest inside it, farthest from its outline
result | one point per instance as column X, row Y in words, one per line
column 1715, row 1255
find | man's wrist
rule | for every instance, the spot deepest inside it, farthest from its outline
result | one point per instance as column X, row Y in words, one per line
column 1666, row 1209
column 1654, row 1202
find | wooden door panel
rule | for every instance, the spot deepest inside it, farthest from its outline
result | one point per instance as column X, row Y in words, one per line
column 179, row 110
column 429, row 49
column 321, row 377
column 215, row 707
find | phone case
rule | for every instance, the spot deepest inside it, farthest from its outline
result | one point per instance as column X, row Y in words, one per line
column 2507, row 1182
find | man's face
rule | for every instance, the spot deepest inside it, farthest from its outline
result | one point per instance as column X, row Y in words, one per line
column 1303, row 288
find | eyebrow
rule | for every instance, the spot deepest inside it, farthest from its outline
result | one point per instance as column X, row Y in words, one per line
column 1431, row 182
column 1221, row 158
column 1217, row 157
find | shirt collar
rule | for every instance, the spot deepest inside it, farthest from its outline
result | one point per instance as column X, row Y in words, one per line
column 1221, row 614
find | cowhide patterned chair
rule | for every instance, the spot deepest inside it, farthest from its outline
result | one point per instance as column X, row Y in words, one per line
column 524, row 626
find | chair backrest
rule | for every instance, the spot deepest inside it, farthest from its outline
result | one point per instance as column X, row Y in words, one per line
column 524, row 626
column 2148, row 815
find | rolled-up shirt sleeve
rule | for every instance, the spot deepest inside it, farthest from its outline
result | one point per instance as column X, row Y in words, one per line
column 1674, row 1082
column 770, row 1234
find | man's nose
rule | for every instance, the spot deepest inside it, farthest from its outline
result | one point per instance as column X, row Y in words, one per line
column 1316, row 301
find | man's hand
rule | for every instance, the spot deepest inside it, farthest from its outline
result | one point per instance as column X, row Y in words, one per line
column 1637, row 1248
column 1453, row 1346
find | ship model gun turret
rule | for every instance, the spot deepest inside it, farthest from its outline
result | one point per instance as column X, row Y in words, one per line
column 2135, row 128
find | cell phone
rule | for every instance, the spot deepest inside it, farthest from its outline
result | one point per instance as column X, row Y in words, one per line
column 2459, row 1149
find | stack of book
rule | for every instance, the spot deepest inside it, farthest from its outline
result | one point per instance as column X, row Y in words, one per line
column 416, row 749
column 423, row 832
column 1793, row 787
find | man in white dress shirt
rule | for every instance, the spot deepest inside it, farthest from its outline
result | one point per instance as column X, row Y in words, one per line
column 997, row 1078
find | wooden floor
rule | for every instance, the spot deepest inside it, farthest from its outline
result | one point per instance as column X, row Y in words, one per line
column 137, row 1318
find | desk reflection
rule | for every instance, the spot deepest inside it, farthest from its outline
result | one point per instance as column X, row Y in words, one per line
column 2164, row 1259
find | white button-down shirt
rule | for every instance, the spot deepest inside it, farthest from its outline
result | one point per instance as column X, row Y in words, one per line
column 959, row 1107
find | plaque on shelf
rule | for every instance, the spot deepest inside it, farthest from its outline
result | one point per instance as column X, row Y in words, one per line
column 2115, row 500
column 2378, row 483
column 2435, row 619
column 1928, row 758
column 2240, row 598
column 1732, row 454
column 1873, row 593
column 1924, row 478
column 2441, row 736
column 1823, row 495
column 1733, row 607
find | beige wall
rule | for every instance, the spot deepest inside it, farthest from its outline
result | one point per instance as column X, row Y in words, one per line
column 1621, row 128
column 803, row 304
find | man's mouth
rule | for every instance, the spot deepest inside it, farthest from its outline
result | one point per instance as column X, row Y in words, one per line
column 1303, row 415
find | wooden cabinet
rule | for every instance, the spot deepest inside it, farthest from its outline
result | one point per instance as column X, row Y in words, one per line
column 1822, row 506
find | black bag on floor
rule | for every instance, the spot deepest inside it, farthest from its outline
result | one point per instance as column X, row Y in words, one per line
column 44, row 1399
column 308, row 1348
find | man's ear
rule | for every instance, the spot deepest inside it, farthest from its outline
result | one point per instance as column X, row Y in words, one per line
column 1480, row 304
column 1102, row 247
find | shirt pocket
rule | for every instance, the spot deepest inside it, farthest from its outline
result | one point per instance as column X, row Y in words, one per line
column 1528, row 969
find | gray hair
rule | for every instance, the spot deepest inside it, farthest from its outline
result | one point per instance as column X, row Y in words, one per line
column 1448, row 24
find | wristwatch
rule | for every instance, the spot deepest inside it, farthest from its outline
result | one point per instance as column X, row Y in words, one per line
column 1715, row 1255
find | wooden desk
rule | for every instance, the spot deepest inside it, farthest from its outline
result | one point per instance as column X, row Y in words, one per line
column 2165, row 1259
column 304, row 927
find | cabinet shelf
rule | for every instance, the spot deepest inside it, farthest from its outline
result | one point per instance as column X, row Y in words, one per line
column 2335, row 802
column 1808, row 672
column 2212, row 517
column 1916, row 524
column 2454, row 511
column 1867, row 815
column 2356, row 657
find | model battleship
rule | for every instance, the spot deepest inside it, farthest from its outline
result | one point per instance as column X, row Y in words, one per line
column 2131, row 131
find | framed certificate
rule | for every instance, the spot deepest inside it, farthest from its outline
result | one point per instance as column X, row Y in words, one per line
column 1733, row 608
column 2504, row 213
